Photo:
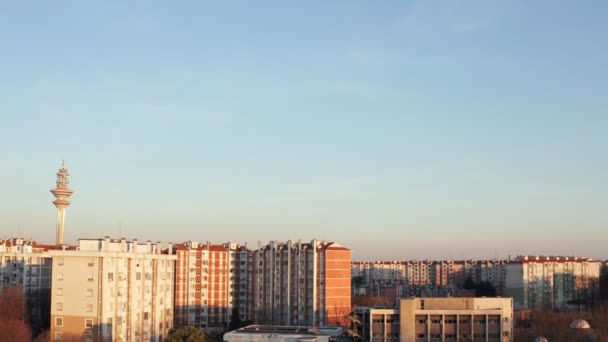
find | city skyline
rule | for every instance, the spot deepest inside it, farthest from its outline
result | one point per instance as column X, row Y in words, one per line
column 414, row 131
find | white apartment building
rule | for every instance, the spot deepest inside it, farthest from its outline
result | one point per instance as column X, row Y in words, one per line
column 112, row 290
column 26, row 264
column 536, row 282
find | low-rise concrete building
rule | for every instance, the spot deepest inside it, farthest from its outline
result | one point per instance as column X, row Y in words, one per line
column 439, row 319
column 270, row 333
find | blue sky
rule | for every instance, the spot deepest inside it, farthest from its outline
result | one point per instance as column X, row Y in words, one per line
column 403, row 129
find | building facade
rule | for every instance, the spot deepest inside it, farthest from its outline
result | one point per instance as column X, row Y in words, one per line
column 27, row 264
column 534, row 282
column 553, row 282
column 281, row 283
column 112, row 290
column 299, row 283
column 211, row 280
column 439, row 319
column 425, row 277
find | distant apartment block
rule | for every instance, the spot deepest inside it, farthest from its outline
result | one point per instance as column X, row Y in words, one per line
column 209, row 281
column 424, row 277
column 27, row 264
column 112, row 290
column 552, row 282
column 439, row 319
column 298, row 283
column 533, row 282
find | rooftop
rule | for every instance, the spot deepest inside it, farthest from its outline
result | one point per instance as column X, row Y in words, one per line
column 288, row 330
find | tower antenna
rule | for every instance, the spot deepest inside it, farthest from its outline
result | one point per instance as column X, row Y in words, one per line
column 62, row 192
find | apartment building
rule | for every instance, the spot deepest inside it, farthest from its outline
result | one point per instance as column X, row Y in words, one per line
column 439, row 319
column 423, row 277
column 209, row 281
column 298, row 283
column 112, row 290
column 241, row 280
column 537, row 282
column 27, row 264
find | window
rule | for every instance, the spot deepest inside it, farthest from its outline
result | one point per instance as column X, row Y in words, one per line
column 110, row 277
column 89, row 292
column 91, row 262
column 90, row 278
column 88, row 323
column 58, row 336
column 138, row 276
column 59, row 276
column 89, row 307
column 88, row 337
column 59, row 306
column 58, row 321
column 59, row 261
column 59, row 291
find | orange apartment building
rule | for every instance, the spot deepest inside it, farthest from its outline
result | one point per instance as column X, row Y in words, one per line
column 299, row 283
column 285, row 283
column 210, row 280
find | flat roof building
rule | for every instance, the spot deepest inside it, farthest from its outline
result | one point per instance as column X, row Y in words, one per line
column 439, row 319
column 273, row 333
column 112, row 290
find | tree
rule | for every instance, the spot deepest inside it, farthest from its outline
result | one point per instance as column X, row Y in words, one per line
column 368, row 301
column 187, row 333
column 482, row 289
column 604, row 284
column 354, row 325
column 469, row 284
column 485, row 289
column 13, row 324
column 12, row 303
column 235, row 319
